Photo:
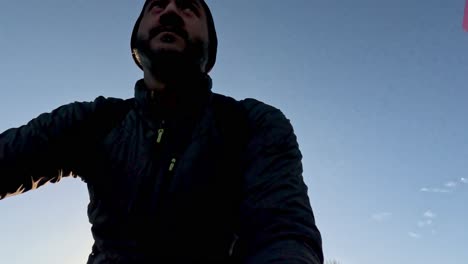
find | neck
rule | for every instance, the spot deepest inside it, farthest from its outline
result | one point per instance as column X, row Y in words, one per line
column 161, row 89
column 171, row 90
column 153, row 83
column 179, row 83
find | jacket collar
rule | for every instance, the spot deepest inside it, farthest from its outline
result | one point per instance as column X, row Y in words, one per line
column 189, row 101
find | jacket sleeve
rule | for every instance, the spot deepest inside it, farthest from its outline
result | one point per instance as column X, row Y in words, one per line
column 48, row 147
column 277, row 223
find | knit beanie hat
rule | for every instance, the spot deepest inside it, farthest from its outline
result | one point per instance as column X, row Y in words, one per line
column 213, row 39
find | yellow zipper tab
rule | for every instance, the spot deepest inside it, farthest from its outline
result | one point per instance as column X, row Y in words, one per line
column 173, row 162
column 160, row 134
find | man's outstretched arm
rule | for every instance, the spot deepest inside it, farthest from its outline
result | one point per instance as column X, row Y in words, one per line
column 277, row 223
column 48, row 147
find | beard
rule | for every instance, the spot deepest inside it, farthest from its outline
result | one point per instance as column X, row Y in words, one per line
column 171, row 65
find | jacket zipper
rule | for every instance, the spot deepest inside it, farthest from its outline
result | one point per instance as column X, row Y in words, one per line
column 160, row 132
column 173, row 162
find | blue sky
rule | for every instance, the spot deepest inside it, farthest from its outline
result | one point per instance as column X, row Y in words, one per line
column 376, row 91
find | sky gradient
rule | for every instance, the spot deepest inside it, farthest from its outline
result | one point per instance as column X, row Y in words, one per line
column 376, row 90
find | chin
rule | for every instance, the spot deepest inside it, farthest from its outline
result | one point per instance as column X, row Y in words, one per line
column 167, row 48
column 163, row 46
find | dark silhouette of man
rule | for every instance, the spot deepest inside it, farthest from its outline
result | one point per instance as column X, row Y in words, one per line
column 177, row 174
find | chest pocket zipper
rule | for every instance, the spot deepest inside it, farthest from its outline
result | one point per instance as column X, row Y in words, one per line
column 173, row 163
column 160, row 135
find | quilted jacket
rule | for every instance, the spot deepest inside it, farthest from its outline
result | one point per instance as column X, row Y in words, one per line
column 174, row 186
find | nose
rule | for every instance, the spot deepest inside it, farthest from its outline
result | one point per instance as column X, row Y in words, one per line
column 171, row 16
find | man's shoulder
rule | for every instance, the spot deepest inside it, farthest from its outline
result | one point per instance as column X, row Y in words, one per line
column 263, row 114
column 254, row 108
column 96, row 102
column 110, row 100
column 257, row 107
column 267, row 124
column 96, row 109
column 109, row 104
column 261, row 117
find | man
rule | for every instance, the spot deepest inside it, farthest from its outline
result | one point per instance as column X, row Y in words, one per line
column 177, row 174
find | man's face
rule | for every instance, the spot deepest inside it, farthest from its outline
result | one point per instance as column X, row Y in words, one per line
column 174, row 28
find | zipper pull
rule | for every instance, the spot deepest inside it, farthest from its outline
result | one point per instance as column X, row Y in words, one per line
column 173, row 162
column 160, row 134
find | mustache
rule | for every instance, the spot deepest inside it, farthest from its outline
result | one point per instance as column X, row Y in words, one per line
column 176, row 30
